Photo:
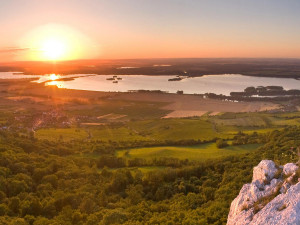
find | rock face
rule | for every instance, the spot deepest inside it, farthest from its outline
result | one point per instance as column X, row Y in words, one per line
column 273, row 197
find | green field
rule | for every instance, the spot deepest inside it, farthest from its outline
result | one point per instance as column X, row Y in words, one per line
column 177, row 129
column 203, row 128
column 102, row 133
column 259, row 120
column 66, row 134
column 131, row 109
column 198, row 152
column 153, row 130
column 106, row 133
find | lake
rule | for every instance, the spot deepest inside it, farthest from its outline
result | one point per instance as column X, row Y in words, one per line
column 218, row 84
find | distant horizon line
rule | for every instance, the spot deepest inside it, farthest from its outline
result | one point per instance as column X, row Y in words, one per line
column 162, row 58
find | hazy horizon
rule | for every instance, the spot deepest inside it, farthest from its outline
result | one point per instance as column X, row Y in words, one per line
column 131, row 29
column 163, row 58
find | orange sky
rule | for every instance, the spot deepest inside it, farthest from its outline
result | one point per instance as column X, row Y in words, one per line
column 63, row 30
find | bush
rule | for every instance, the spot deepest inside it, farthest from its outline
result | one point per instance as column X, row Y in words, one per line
column 221, row 143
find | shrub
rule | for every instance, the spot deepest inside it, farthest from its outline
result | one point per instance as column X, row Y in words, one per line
column 221, row 143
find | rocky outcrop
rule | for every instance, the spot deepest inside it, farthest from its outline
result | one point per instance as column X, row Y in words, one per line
column 273, row 197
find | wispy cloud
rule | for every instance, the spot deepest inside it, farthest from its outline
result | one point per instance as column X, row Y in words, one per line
column 13, row 50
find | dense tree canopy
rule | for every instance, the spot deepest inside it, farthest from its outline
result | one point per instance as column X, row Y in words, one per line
column 50, row 183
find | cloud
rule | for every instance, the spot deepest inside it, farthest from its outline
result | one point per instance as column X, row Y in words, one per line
column 13, row 50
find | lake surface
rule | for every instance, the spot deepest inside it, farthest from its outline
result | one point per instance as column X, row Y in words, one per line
column 219, row 84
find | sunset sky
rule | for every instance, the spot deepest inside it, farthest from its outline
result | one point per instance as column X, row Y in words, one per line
column 108, row 29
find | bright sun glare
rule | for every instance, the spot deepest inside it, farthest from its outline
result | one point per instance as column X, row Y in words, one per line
column 54, row 49
column 53, row 76
column 55, row 42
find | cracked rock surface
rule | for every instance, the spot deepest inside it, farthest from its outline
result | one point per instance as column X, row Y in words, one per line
column 273, row 197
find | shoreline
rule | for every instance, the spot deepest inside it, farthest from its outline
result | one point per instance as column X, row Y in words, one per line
column 287, row 94
column 176, row 105
column 296, row 77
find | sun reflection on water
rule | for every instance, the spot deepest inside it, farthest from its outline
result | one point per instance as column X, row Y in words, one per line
column 53, row 76
column 53, row 81
column 59, row 84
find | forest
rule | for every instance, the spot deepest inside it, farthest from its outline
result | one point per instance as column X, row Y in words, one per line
column 42, row 182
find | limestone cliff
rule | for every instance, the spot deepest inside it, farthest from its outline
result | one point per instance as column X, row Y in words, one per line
column 273, row 197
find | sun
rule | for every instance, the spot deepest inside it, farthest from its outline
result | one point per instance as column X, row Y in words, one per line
column 57, row 42
column 54, row 49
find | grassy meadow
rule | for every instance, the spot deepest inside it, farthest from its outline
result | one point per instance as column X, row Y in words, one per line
column 203, row 128
column 157, row 133
column 198, row 152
